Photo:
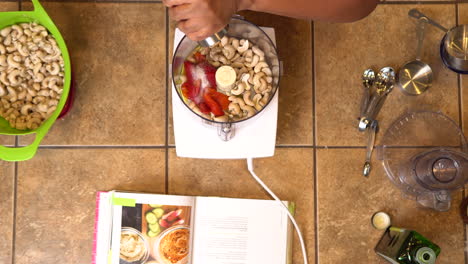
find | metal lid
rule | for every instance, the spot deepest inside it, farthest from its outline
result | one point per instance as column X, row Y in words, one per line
column 381, row 220
column 213, row 39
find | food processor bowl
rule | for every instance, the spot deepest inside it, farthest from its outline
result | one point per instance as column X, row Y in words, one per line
column 238, row 28
column 425, row 155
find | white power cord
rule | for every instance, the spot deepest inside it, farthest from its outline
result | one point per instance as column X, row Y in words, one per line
column 291, row 217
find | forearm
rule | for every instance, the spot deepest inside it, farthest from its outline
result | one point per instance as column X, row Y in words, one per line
column 324, row 10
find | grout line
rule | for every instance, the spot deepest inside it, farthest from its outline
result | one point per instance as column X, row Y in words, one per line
column 97, row 147
column 416, row 2
column 314, row 140
column 294, row 146
column 173, row 146
column 460, row 116
column 460, row 111
column 15, row 195
column 102, row 1
column 167, row 103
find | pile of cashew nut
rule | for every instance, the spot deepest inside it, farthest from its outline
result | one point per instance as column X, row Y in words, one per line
column 31, row 75
column 253, row 86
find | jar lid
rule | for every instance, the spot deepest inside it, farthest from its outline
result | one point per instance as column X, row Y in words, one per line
column 425, row 255
column 381, row 220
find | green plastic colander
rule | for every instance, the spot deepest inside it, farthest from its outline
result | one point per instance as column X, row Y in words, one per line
column 39, row 16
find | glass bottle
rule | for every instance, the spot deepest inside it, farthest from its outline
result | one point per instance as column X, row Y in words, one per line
column 402, row 246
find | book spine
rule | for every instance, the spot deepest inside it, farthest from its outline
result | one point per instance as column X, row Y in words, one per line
column 96, row 220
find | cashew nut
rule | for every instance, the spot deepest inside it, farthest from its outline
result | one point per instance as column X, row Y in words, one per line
column 234, row 109
column 265, row 98
column 224, row 41
column 258, row 105
column 33, row 123
column 17, row 31
column 13, row 77
column 7, row 41
column 239, row 89
column 244, row 46
column 267, row 71
column 25, row 109
column 237, row 100
column 229, row 52
column 263, row 85
column 53, row 68
column 12, row 94
column 5, row 32
column 3, row 78
column 256, row 79
column 260, row 66
column 223, row 60
column 12, row 62
column 223, row 118
column 247, row 99
column 248, row 110
column 254, row 62
column 235, row 43
column 258, row 52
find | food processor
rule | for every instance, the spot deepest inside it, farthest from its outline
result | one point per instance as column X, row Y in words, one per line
column 425, row 155
column 197, row 136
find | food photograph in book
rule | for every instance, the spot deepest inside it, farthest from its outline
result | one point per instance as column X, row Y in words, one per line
column 155, row 234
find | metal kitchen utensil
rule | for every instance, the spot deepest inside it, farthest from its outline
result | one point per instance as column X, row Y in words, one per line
column 384, row 83
column 371, row 131
column 368, row 78
column 38, row 15
column 415, row 13
column 415, row 77
column 213, row 39
column 454, row 44
column 454, row 49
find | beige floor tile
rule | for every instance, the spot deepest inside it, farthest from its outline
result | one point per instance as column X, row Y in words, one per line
column 288, row 173
column 56, row 197
column 463, row 19
column 295, row 94
column 118, row 55
column 386, row 38
column 7, row 177
column 347, row 200
column 5, row 7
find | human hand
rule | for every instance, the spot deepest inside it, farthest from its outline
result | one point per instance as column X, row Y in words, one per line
column 199, row 19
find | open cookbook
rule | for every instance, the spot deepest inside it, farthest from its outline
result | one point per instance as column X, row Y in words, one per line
column 137, row 228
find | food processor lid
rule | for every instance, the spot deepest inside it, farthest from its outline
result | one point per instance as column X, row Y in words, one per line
column 413, row 134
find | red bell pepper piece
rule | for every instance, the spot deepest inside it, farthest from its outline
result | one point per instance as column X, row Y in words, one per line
column 199, row 57
column 220, row 98
column 204, row 108
column 213, row 105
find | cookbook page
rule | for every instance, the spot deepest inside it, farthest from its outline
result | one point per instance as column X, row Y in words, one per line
column 239, row 231
column 151, row 229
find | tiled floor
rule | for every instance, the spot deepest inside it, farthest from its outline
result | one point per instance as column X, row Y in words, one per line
column 119, row 133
